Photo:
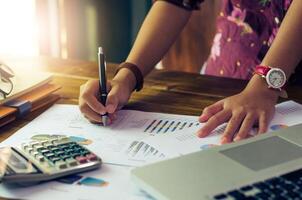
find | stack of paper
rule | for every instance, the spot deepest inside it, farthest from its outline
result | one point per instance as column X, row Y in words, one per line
column 25, row 81
column 31, row 90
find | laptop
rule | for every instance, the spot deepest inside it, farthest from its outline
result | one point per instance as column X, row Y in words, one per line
column 264, row 167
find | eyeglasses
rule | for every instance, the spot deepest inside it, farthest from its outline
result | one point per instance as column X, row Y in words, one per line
column 6, row 84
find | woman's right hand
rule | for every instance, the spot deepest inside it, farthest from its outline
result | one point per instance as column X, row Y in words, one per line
column 118, row 95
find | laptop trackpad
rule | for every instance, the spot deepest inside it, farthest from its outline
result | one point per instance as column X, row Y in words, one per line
column 264, row 153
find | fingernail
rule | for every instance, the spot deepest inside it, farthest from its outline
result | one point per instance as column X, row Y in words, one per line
column 202, row 118
column 224, row 140
column 110, row 108
column 201, row 134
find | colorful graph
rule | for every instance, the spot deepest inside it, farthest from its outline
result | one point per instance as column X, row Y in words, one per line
column 80, row 180
column 160, row 126
column 276, row 127
column 90, row 181
column 207, row 146
column 80, row 140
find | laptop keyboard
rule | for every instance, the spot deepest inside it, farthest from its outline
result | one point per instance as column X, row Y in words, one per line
column 287, row 187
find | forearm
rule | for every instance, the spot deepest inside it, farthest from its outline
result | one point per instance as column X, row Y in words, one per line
column 286, row 50
column 158, row 32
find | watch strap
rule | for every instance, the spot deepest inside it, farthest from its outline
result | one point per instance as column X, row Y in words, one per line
column 136, row 72
column 262, row 70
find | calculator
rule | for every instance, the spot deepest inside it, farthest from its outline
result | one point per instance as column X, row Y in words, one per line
column 38, row 161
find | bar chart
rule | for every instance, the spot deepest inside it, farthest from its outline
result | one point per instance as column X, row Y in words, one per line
column 141, row 150
column 163, row 126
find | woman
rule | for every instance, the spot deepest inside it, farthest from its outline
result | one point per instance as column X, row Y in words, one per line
column 246, row 30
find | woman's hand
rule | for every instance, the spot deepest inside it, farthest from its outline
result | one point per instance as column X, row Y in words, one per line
column 255, row 105
column 90, row 106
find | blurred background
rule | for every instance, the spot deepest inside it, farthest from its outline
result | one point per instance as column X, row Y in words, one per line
column 75, row 28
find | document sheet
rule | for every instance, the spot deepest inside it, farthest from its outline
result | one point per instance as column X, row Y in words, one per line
column 287, row 114
column 136, row 138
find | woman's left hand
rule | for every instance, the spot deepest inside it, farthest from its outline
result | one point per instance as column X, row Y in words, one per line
column 255, row 105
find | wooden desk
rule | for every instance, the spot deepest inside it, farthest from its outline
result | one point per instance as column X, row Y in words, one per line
column 164, row 91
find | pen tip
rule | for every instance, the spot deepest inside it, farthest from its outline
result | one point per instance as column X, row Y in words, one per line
column 105, row 120
column 100, row 49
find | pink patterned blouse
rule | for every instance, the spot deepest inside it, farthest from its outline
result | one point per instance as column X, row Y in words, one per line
column 245, row 32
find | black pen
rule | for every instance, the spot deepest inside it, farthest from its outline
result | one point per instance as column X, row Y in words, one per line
column 103, row 80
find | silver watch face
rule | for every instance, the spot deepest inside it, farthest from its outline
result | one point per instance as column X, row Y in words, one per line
column 275, row 78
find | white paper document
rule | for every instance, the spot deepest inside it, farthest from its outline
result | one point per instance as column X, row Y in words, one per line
column 119, row 144
column 136, row 138
column 183, row 142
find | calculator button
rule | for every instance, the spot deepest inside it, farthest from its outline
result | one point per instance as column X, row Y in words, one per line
column 24, row 146
column 44, row 142
column 64, row 141
column 61, row 164
column 48, row 145
column 69, row 151
column 29, row 149
column 59, row 153
column 54, row 149
column 92, row 157
column 53, row 140
column 72, row 145
column 55, row 159
column 40, row 158
column 38, row 147
column 49, row 155
column 33, row 144
column 63, row 147
column 64, row 157
column 81, row 159
column 56, row 143
column 84, row 152
column 43, row 148
column 44, row 151
column 34, row 153
column 74, row 155
column 76, row 145
column 71, row 162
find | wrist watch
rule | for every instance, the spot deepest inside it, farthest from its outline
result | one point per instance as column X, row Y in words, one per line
column 275, row 78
